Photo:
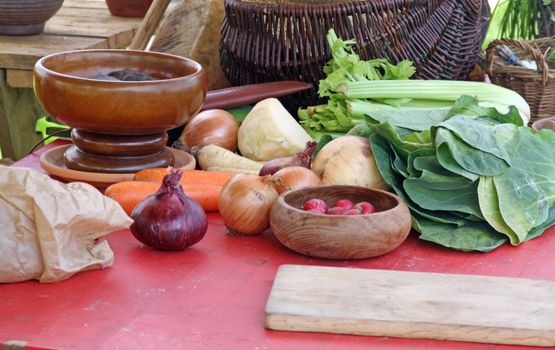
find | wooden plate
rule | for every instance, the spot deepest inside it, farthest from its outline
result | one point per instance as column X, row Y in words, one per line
column 52, row 161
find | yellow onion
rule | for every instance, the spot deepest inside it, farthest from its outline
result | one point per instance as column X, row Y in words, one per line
column 211, row 127
column 245, row 203
column 294, row 178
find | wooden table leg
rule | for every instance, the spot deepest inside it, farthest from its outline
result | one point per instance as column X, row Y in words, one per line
column 19, row 111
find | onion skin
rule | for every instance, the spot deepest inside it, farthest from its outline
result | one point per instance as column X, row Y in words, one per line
column 211, row 127
column 169, row 219
column 245, row 204
column 295, row 178
column 303, row 159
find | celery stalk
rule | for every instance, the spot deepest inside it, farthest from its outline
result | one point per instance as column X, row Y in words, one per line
column 442, row 90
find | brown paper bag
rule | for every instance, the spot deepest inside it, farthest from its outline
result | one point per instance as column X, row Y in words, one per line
column 47, row 228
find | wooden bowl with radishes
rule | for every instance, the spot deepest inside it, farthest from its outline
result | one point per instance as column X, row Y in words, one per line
column 299, row 224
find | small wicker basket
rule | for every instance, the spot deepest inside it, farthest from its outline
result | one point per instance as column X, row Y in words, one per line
column 269, row 40
column 536, row 86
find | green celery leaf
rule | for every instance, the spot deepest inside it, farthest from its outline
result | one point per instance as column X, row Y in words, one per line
column 401, row 71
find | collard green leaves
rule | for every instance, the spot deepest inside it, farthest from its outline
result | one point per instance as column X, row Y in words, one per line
column 471, row 183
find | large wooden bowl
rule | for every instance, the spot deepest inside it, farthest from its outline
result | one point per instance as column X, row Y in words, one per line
column 64, row 85
column 119, row 126
column 340, row 236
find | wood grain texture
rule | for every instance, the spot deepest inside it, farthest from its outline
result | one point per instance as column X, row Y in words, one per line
column 413, row 305
column 149, row 24
column 340, row 236
column 192, row 29
column 19, row 78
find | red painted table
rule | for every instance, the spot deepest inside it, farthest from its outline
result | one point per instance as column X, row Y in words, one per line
column 212, row 295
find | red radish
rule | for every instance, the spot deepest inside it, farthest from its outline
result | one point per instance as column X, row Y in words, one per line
column 337, row 211
column 365, row 207
column 315, row 204
column 353, row 211
column 344, row 203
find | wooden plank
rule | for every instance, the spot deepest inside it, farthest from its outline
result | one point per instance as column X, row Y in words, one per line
column 99, row 4
column 97, row 26
column 23, row 52
column 413, row 305
column 19, row 78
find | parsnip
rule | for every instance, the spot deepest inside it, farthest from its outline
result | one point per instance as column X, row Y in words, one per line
column 234, row 170
column 216, row 157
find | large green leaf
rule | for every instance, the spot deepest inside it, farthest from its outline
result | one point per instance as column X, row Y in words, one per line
column 383, row 155
column 469, row 106
column 438, row 192
column 415, row 119
column 432, row 164
column 526, row 190
column 538, row 230
column 477, row 135
column 489, row 206
column 474, row 236
column 412, row 160
column 446, row 159
column 469, row 158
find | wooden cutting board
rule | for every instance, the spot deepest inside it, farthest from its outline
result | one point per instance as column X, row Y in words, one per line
column 413, row 305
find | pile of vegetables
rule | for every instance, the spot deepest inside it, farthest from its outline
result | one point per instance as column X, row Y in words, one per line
column 473, row 175
column 458, row 153
column 357, row 90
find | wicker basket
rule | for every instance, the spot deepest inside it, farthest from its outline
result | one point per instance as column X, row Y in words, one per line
column 268, row 40
column 536, row 86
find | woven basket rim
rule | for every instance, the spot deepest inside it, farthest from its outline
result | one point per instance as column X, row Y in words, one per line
column 523, row 73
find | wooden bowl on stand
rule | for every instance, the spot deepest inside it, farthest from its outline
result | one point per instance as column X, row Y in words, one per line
column 119, row 126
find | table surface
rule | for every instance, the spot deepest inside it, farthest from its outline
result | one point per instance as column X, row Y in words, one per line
column 212, row 295
column 80, row 24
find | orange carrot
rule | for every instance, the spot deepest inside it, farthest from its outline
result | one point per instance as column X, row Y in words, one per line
column 188, row 177
column 129, row 193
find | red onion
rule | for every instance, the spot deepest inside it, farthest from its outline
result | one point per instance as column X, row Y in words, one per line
column 169, row 219
column 303, row 159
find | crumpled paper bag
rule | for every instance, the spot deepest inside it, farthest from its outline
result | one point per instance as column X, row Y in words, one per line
column 47, row 228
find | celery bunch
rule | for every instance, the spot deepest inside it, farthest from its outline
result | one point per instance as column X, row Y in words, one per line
column 359, row 90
